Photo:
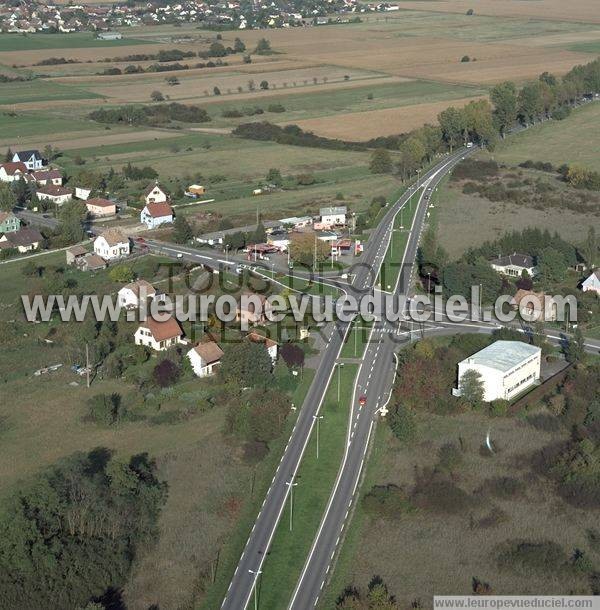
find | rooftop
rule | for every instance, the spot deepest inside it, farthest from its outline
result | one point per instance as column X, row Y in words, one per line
column 519, row 260
column 503, row 355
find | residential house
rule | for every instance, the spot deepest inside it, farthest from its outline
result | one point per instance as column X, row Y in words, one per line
column 155, row 214
column 271, row 346
column 252, row 310
column 204, row 358
column 297, row 222
column 195, row 190
column 514, row 264
column 535, row 306
column 592, row 283
column 75, row 255
column 506, row 369
column 23, row 240
column 31, row 158
column 154, row 193
column 57, row 194
column 112, row 244
column 98, row 207
column 46, row 177
column 9, row 172
column 132, row 294
column 9, row 222
column 333, row 216
column 82, row 192
column 159, row 336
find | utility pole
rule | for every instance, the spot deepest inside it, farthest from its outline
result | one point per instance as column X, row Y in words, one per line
column 87, row 364
column 291, row 485
column 256, row 575
column 318, row 418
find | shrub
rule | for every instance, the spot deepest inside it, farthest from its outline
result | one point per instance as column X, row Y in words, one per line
column 276, row 108
column 387, row 501
column 402, row 423
column 465, row 59
column 503, row 487
column 434, row 491
column 166, row 373
column 106, row 409
column 449, row 457
column 519, row 556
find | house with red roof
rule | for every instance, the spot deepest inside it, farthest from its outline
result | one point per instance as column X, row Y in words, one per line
column 98, row 207
column 45, row 177
column 158, row 335
column 156, row 214
column 11, row 171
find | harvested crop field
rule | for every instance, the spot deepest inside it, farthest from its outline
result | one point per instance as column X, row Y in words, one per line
column 357, row 126
column 582, row 10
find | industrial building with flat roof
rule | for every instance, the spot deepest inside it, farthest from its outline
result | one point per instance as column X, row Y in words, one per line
column 506, row 368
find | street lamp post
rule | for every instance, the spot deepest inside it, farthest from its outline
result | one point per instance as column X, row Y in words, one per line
column 318, row 418
column 291, row 485
column 256, row 574
column 340, row 365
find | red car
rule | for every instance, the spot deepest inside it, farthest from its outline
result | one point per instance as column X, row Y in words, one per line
column 362, row 401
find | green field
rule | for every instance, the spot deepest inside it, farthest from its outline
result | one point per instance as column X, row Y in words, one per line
column 22, row 125
column 356, row 99
column 586, row 47
column 42, row 90
column 573, row 141
column 480, row 28
column 32, row 42
column 357, row 339
column 315, row 479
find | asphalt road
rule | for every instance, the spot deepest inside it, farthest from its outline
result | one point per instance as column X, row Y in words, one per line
column 374, row 377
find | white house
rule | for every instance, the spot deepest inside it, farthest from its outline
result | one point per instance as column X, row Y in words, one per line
column 57, row 194
column 271, row 346
column 82, row 192
column 514, row 264
column 333, row 216
column 31, row 158
column 132, row 294
column 9, row 172
column 204, row 358
column 154, row 193
column 112, row 244
column 158, row 336
column 155, row 214
column 592, row 283
column 507, row 368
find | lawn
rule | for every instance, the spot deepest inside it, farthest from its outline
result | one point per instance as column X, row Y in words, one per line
column 586, row 47
column 41, row 90
column 19, row 42
column 13, row 125
column 315, row 479
column 357, row 339
column 573, row 141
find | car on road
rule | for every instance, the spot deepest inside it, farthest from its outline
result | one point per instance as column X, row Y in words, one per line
column 362, row 401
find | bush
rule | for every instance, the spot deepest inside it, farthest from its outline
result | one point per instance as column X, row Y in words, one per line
column 499, row 407
column 503, row 488
column 434, row 491
column 449, row 457
column 387, row 501
column 465, row 59
column 276, row 108
column 402, row 423
column 523, row 556
column 106, row 409
column 166, row 373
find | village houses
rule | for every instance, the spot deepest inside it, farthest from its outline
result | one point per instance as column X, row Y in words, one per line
column 131, row 295
column 9, row 172
column 204, row 358
column 514, row 265
column 159, row 336
column 58, row 195
column 592, row 283
column 98, row 207
column 112, row 244
column 46, row 177
column 271, row 346
column 31, row 158
column 154, row 193
column 24, row 240
column 156, row 214
column 9, row 222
